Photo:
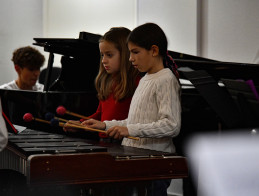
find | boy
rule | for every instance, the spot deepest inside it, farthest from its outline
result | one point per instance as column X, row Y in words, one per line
column 27, row 63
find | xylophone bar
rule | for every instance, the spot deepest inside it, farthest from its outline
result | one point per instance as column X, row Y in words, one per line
column 11, row 160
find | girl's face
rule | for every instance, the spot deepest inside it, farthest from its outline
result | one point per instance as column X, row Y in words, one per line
column 27, row 77
column 141, row 58
column 110, row 57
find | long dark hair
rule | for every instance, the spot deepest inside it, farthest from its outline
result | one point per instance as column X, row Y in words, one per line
column 150, row 34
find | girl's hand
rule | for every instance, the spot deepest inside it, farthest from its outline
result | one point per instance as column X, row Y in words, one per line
column 118, row 132
column 67, row 128
column 96, row 124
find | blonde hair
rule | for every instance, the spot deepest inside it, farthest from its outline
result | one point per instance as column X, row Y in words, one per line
column 123, row 84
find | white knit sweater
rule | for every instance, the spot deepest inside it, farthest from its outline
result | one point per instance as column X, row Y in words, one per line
column 155, row 113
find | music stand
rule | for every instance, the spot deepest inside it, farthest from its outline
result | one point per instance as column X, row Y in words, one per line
column 219, row 100
column 246, row 99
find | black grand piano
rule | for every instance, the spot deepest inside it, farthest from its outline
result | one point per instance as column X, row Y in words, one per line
column 215, row 96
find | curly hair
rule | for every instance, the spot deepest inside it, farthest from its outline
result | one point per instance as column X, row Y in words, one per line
column 28, row 57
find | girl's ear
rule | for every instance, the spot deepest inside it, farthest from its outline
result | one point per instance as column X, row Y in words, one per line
column 155, row 50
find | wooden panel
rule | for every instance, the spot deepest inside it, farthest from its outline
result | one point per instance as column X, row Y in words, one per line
column 101, row 168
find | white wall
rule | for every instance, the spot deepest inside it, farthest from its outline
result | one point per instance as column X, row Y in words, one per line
column 177, row 18
column 20, row 21
column 66, row 18
column 231, row 30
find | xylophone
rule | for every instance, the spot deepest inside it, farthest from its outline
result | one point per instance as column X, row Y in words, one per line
column 50, row 158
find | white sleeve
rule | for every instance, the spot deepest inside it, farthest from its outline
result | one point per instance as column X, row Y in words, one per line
column 113, row 123
column 3, row 130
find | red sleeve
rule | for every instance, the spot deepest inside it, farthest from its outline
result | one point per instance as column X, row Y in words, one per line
column 98, row 114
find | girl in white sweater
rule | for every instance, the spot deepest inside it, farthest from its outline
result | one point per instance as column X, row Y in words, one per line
column 155, row 111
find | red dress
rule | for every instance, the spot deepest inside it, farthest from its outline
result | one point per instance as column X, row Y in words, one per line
column 110, row 109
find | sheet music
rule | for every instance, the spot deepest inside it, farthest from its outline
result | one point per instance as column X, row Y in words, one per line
column 19, row 128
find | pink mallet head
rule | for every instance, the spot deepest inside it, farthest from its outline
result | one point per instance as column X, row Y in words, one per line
column 27, row 117
column 61, row 110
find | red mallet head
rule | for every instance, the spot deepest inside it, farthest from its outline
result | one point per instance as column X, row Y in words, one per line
column 27, row 117
column 61, row 110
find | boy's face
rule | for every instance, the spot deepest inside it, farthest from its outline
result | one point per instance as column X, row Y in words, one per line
column 28, row 77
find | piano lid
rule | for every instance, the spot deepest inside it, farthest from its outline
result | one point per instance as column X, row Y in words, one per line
column 86, row 43
column 79, row 63
column 217, row 69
